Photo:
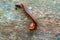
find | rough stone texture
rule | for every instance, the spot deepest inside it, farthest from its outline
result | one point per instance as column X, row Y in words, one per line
column 14, row 23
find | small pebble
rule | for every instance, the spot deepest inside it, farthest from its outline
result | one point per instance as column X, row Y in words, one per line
column 54, row 2
column 16, row 26
column 40, row 15
column 25, row 18
column 30, row 8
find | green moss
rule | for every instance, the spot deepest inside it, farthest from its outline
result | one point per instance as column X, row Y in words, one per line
column 1, row 13
column 57, row 37
column 44, row 3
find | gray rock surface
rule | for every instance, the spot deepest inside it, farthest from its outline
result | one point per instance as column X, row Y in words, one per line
column 14, row 24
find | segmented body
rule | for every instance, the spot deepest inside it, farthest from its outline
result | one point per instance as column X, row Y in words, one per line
column 25, row 9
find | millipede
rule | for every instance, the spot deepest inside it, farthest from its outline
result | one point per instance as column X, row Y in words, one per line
column 33, row 25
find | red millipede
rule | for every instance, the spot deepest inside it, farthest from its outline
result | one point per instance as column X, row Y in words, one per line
column 25, row 9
